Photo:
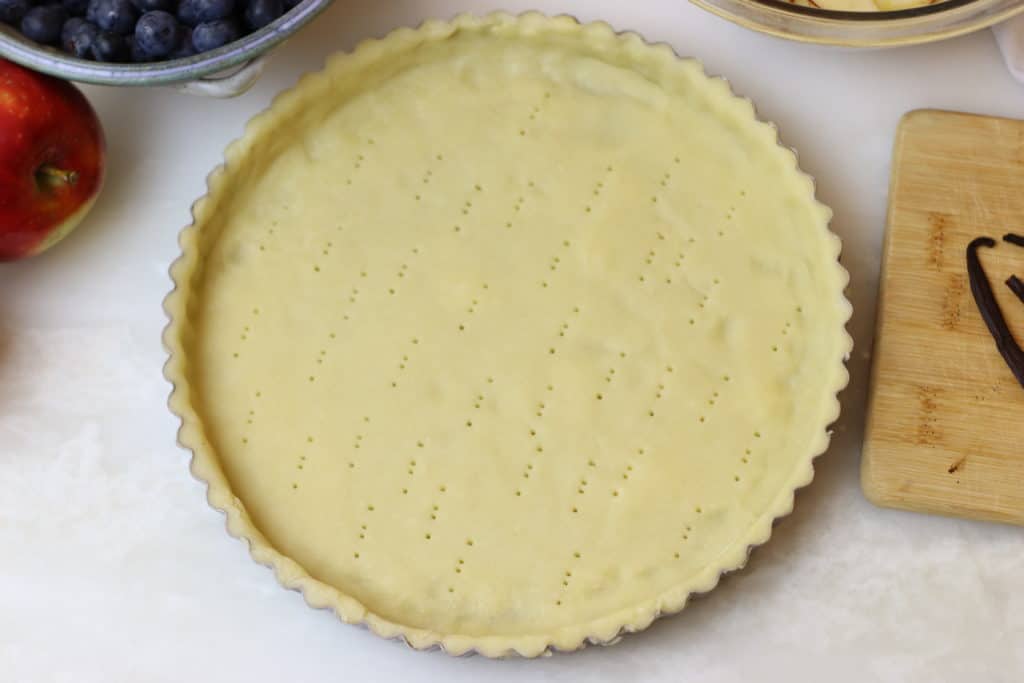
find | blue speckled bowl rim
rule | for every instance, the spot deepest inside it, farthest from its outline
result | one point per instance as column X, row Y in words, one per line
column 48, row 60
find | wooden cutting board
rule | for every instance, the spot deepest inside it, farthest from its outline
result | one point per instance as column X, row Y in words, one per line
column 945, row 431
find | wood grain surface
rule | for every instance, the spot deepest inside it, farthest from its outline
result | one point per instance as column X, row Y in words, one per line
column 945, row 430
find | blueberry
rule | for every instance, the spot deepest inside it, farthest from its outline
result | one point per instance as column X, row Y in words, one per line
column 108, row 47
column 70, row 26
column 259, row 13
column 77, row 37
column 157, row 34
column 153, row 5
column 288, row 4
column 184, row 47
column 132, row 51
column 13, row 11
column 195, row 12
column 214, row 34
column 43, row 24
column 76, row 8
column 117, row 16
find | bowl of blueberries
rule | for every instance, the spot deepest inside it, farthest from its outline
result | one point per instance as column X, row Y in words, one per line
column 207, row 47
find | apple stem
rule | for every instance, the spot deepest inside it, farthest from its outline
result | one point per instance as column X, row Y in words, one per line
column 50, row 176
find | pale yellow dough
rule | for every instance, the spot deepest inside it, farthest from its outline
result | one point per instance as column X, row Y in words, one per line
column 507, row 333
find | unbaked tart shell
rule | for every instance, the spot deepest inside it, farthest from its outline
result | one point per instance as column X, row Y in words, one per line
column 506, row 334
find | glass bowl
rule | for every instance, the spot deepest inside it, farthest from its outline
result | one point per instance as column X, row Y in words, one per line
column 864, row 29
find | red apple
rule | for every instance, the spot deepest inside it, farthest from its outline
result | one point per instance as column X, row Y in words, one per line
column 51, row 160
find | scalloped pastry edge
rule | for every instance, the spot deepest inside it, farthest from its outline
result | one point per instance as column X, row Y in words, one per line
column 204, row 462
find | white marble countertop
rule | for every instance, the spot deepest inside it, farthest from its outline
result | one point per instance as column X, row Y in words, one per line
column 113, row 569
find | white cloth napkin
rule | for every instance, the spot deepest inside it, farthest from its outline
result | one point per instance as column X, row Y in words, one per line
column 1010, row 38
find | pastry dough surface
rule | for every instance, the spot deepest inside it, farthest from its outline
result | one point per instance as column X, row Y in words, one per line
column 512, row 331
